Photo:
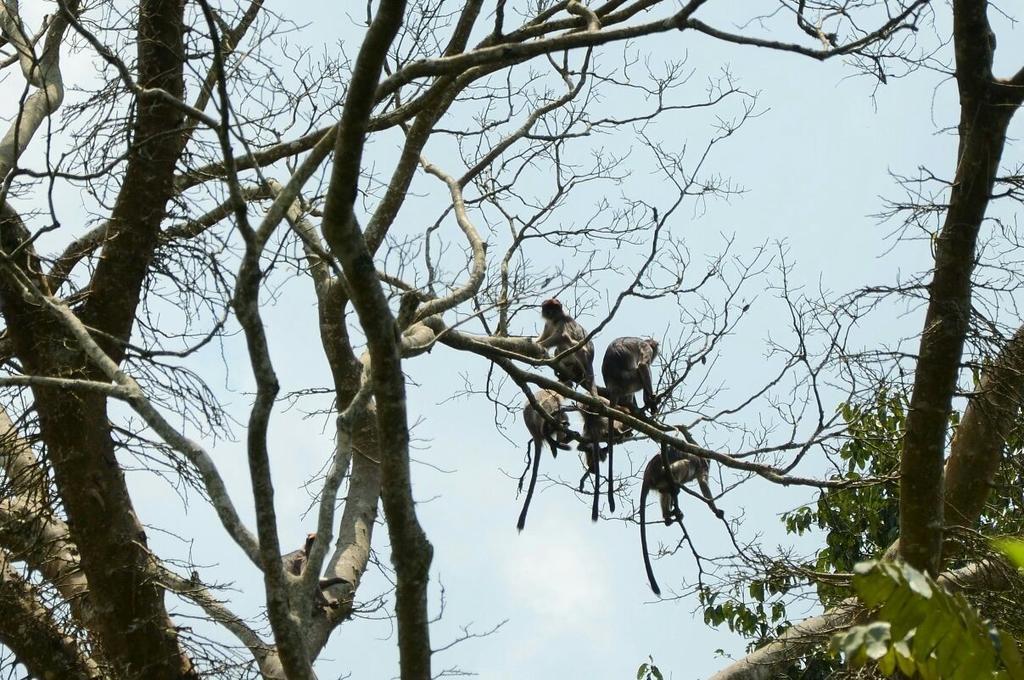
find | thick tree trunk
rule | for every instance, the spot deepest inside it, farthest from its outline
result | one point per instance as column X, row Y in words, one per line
column 132, row 625
column 980, row 437
column 986, row 108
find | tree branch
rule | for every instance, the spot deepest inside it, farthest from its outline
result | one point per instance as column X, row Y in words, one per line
column 766, row 662
column 983, row 125
column 30, row 631
column 981, row 435
column 411, row 553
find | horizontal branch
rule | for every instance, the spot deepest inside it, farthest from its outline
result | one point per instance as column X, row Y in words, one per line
column 108, row 389
column 420, row 337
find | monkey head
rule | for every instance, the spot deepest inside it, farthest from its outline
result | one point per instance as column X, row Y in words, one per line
column 552, row 309
column 653, row 344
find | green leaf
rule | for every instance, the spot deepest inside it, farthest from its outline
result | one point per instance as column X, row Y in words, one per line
column 757, row 590
column 887, row 664
column 876, row 641
column 922, row 630
column 927, row 636
column 917, row 581
column 904, row 659
column 1009, row 654
column 851, row 645
column 1013, row 548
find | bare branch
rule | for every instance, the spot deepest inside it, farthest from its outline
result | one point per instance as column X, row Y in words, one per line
column 31, row 632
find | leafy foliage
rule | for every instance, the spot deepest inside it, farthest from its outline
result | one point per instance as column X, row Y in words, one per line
column 648, row 671
column 1013, row 548
column 923, row 630
column 758, row 613
column 859, row 523
column 862, row 522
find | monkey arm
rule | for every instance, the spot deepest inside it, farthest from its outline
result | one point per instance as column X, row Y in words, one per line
column 644, row 371
column 708, row 496
column 550, row 341
column 548, row 337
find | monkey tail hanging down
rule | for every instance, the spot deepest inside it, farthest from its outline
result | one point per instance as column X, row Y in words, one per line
column 666, row 473
column 626, row 369
column 598, row 430
column 542, row 431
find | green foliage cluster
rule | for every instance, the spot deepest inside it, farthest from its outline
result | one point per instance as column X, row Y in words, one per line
column 759, row 615
column 858, row 522
column 648, row 671
column 923, row 631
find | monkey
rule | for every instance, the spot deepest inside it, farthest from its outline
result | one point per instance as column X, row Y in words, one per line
column 542, row 431
column 295, row 562
column 595, row 431
column 626, row 369
column 563, row 332
column 666, row 473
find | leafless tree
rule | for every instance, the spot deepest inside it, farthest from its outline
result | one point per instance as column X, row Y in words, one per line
column 213, row 179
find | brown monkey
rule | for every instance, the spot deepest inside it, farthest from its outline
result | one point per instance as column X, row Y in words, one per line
column 563, row 332
column 595, row 431
column 666, row 473
column 295, row 562
column 542, row 431
column 626, row 369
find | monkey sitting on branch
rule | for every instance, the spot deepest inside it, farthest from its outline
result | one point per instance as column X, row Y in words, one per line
column 626, row 369
column 294, row 563
column 598, row 430
column 666, row 473
column 542, row 430
column 563, row 332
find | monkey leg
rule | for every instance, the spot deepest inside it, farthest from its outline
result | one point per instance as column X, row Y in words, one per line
column 676, row 510
column 709, row 497
column 555, row 445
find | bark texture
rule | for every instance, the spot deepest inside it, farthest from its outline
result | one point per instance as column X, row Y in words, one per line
column 986, row 107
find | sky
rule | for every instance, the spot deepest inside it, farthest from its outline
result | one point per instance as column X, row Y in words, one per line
column 816, row 164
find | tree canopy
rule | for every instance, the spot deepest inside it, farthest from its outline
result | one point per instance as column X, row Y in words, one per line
column 239, row 261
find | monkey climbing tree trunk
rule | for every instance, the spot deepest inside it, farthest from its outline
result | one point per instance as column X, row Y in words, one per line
column 986, row 107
